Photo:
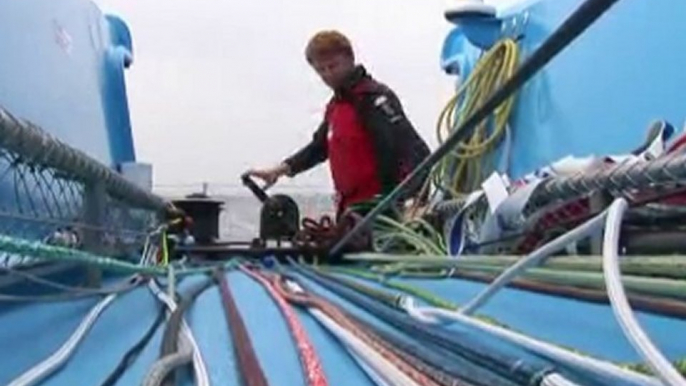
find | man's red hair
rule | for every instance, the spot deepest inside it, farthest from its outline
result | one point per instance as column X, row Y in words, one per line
column 326, row 44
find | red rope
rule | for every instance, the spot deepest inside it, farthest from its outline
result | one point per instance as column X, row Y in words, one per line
column 382, row 347
column 249, row 366
column 551, row 220
column 309, row 360
column 677, row 144
column 324, row 233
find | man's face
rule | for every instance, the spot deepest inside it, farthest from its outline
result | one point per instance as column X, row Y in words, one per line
column 334, row 69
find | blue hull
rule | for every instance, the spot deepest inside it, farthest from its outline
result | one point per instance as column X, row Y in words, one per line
column 62, row 69
column 598, row 96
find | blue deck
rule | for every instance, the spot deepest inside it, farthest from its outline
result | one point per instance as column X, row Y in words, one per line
column 33, row 332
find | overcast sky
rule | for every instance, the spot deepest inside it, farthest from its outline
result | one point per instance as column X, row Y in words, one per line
column 218, row 86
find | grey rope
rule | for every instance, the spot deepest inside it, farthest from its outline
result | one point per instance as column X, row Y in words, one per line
column 159, row 371
column 625, row 176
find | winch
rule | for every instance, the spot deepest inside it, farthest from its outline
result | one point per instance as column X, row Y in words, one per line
column 279, row 216
column 281, row 234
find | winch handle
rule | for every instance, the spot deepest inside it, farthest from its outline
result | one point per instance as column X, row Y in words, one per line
column 256, row 190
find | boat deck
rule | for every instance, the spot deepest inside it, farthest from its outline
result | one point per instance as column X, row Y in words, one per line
column 30, row 333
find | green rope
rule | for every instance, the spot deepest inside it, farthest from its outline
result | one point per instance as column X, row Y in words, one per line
column 424, row 239
column 414, row 271
column 419, row 293
column 592, row 280
column 439, row 302
column 415, row 235
column 35, row 249
column 673, row 267
column 667, row 267
column 650, row 286
column 679, row 365
column 387, row 298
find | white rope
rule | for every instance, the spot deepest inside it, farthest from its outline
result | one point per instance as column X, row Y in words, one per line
column 376, row 378
column 535, row 258
column 160, row 369
column 556, row 380
column 187, row 338
column 620, row 305
column 547, row 350
column 60, row 357
column 383, row 372
column 437, row 315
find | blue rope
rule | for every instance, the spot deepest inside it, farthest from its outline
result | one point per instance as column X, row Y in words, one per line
column 529, row 373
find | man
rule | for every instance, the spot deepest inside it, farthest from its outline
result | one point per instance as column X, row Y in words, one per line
column 369, row 142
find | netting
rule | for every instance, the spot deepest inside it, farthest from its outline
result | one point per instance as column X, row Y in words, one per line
column 61, row 203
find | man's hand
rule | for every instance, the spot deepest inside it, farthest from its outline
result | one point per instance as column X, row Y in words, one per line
column 270, row 175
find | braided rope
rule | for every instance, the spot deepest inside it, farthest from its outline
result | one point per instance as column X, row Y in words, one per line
column 384, row 349
column 249, row 366
column 480, row 359
column 311, row 365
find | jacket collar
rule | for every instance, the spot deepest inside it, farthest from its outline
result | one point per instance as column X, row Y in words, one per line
column 358, row 75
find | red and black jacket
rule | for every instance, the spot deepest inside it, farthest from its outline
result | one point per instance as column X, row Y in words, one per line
column 369, row 142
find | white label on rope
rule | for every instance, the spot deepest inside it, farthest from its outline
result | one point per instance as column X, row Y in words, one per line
column 496, row 191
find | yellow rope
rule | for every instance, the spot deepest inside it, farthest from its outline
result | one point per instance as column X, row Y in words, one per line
column 165, row 249
column 464, row 169
column 469, row 157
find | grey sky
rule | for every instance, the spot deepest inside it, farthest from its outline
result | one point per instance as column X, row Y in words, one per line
column 219, row 86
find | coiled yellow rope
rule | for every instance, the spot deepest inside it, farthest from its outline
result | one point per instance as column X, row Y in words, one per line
column 466, row 167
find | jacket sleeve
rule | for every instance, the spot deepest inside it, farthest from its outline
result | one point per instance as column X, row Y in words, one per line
column 312, row 154
column 383, row 115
